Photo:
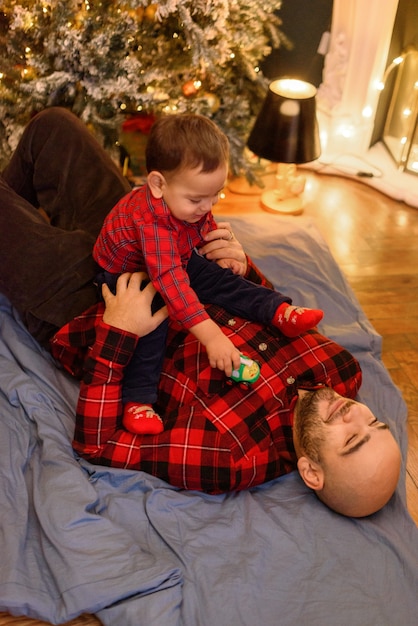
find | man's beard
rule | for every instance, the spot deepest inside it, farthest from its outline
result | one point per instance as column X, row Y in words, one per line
column 309, row 424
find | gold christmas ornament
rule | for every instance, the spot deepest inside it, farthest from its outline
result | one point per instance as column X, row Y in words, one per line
column 136, row 14
column 28, row 73
column 79, row 18
column 150, row 12
column 213, row 101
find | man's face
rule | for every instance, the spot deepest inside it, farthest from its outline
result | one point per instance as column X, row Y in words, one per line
column 349, row 427
column 357, row 453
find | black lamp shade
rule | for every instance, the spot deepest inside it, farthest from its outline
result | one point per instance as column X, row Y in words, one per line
column 286, row 129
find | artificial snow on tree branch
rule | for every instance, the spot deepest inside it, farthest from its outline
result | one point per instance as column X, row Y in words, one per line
column 108, row 59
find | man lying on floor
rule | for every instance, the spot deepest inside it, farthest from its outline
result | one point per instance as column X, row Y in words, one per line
column 218, row 436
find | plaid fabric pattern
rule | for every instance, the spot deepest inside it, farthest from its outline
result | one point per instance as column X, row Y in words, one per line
column 217, row 436
column 140, row 233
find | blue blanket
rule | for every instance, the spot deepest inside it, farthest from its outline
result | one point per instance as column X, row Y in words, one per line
column 79, row 538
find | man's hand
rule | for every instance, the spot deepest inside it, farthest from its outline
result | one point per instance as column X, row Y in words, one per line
column 130, row 308
column 225, row 249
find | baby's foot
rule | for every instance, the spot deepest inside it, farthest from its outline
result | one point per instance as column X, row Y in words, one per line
column 295, row 320
column 141, row 419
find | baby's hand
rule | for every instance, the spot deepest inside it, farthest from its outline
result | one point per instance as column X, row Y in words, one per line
column 223, row 354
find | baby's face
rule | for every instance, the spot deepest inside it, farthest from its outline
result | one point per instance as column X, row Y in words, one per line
column 191, row 193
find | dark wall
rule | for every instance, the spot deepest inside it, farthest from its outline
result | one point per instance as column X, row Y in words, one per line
column 304, row 22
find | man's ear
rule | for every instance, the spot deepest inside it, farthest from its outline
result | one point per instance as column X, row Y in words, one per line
column 311, row 473
column 156, row 182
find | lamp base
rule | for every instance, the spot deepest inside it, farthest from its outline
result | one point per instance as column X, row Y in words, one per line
column 243, row 187
column 271, row 202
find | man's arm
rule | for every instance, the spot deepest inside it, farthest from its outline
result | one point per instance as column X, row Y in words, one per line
column 99, row 407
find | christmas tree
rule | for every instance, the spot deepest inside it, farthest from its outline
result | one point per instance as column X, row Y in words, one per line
column 109, row 60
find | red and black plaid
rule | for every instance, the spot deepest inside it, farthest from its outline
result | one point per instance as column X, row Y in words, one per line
column 217, row 436
column 140, row 233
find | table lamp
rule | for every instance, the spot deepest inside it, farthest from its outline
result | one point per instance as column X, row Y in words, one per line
column 286, row 132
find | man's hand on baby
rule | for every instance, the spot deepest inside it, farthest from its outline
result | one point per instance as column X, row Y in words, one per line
column 223, row 354
column 222, row 246
column 130, row 308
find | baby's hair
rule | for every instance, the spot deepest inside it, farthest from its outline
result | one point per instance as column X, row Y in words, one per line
column 186, row 140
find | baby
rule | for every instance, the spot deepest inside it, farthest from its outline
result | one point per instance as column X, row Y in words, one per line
column 158, row 228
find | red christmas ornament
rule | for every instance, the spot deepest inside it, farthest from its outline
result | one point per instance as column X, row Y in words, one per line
column 189, row 89
column 140, row 122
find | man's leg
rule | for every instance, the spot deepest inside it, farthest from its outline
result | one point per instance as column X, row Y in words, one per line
column 46, row 272
column 60, row 166
column 46, row 269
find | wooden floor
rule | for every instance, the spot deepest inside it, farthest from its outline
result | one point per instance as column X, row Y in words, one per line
column 375, row 241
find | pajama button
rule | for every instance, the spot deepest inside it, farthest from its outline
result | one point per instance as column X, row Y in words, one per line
column 231, row 322
column 262, row 347
column 290, row 380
